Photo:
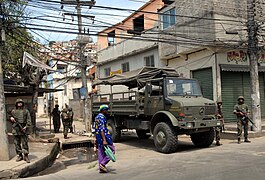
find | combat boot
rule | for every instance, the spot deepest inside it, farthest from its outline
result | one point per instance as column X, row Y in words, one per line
column 26, row 158
column 218, row 143
column 19, row 158
column 65, row 137
column 238, row 141
column 247, row 141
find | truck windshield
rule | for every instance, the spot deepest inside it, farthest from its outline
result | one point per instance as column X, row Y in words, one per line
column 183, row 87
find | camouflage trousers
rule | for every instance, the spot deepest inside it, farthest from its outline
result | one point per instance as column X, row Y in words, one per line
column 56, row 125
column 240, row 127
column 71, row 126
column 218, row 133
column 66, row 127
column 21, row 140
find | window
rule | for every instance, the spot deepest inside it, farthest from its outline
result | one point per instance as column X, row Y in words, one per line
column 169, row 18
column 61, row 68
column 138, row 24
column 125, row 67
column 111, row 38
column 183, row 87
column 107, row 72
column 149, row 61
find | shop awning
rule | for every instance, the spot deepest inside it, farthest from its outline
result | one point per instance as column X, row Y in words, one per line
column 239, row 68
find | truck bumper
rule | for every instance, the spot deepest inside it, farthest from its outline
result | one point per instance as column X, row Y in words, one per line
column 199, row 124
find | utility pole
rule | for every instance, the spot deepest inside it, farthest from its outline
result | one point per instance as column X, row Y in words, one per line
column 83, row 61
column 4, row 147
column 252, row 27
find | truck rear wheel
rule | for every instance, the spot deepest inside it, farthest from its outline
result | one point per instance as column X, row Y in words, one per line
column 165, row 138
column 115, row 131
column 142, row 134
column 203, row 139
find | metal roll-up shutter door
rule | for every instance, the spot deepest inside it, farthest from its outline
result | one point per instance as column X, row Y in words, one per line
column 205, row 78
column 235, row 84
column 231, row 89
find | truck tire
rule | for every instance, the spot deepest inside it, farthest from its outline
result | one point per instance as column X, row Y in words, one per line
column 142, row 134
column 203, row 139
column 115, row 131
column 165, row 138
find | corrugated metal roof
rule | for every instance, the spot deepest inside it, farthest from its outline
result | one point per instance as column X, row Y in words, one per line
column 239, row 68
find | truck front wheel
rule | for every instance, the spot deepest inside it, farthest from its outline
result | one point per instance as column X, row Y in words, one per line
column 142, row 134
column 165, row 138
column 115, row 131
column 203, row 139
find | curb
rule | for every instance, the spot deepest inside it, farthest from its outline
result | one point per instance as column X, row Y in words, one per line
column 33, row 168
column 232, row 135
column 41, row 164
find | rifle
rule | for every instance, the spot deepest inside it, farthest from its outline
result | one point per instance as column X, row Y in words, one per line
column 223, row 125
column 17, row 124
column 245, row 118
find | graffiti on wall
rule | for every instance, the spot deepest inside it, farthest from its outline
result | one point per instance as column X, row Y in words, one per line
column 237, row 56
column 261, row 58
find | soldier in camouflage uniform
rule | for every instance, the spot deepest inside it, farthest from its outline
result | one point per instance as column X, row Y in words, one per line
column 66, row 123
column 21, row 120
column 240, row 110
column 71, row 119
column 218, row 129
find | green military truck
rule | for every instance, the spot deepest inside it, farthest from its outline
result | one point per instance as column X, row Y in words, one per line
column 161, row 103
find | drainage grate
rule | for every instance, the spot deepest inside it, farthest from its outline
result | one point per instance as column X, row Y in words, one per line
column 72, row 145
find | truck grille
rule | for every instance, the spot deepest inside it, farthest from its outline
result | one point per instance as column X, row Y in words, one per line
column 210, row 110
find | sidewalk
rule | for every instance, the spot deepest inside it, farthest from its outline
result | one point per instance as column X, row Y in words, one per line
column 42, row 153
column 231, row 131
column 41, row 156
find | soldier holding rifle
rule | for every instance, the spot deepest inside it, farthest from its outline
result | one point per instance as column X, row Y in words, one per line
column 21, row 121
column 241, row 110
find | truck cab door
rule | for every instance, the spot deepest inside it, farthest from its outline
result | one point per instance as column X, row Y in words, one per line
column 154, row 100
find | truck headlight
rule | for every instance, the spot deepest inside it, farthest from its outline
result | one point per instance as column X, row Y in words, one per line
column 189, row 125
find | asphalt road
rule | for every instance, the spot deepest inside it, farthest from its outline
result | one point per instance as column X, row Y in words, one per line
column 137, row 159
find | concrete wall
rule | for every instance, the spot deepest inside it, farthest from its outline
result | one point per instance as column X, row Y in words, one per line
column 77, row 106
column 204, row 22
column 136, row 61
column 124, row 48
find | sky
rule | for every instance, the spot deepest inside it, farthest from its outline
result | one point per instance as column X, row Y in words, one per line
column 103, row 17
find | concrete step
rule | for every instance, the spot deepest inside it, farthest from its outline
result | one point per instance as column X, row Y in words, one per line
column 233, row 127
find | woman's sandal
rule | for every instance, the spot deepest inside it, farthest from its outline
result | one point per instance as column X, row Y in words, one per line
column 102, row 169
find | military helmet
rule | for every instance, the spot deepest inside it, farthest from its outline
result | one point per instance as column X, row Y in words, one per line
column 19, row 101
column 240, row 97
column 56, row 105
column 219, row 102
column 70, row 109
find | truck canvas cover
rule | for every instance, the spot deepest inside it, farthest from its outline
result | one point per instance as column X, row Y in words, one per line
column 136, row 78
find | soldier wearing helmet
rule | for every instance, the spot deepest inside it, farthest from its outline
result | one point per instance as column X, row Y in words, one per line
column 70, row 114
column 66, row 123
column 218, row 129
column 21, row 120
column 241, row 110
